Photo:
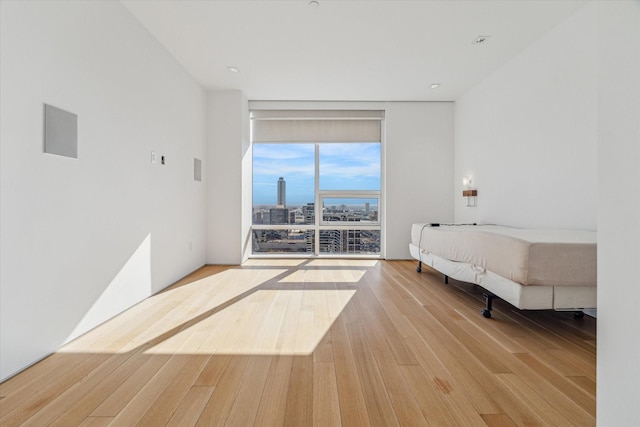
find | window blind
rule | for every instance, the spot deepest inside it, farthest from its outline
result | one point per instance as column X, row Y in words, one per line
column 316, row 125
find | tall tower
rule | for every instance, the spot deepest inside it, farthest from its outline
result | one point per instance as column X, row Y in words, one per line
column 282, row 192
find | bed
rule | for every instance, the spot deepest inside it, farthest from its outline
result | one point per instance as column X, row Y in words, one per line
column 531, row 269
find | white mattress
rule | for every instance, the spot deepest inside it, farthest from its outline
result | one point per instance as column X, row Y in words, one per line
column 524, row 297
column 525, row 256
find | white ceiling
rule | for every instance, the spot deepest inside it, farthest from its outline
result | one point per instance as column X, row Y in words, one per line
column 347, row 50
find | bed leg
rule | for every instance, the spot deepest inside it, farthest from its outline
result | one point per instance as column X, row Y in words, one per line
column 419, row 267
column 486, row 312
column 446, row 279
column 578, row 315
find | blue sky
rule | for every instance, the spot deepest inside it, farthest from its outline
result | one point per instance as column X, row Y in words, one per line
column 343, row 166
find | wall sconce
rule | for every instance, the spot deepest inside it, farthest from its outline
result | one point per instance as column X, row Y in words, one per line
column 470, row 194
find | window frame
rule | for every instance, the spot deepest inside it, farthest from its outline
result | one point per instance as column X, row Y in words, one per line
column 350, row 194
column 319, row 223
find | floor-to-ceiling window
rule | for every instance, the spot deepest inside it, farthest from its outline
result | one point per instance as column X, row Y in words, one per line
column 317, row 183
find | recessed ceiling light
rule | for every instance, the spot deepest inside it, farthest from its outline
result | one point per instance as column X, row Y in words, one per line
column 233, row 69
column 480, row 39
column 314, row 4
column 434, row 85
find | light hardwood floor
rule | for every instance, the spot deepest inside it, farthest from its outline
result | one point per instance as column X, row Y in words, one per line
column 322, row 342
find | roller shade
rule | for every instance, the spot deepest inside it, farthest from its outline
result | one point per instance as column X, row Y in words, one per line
column 316, row 125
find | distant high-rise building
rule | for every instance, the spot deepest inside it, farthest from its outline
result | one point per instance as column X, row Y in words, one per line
column 309, row 213
column 278, row 216
column 367, row 208
column 282, row 192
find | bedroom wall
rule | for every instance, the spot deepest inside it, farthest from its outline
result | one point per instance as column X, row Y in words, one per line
column 83, row 239
column 419, row 169
column 526, row 135
column 587, row 73
column 228, row 156
column 418, row 163
column 618, row 213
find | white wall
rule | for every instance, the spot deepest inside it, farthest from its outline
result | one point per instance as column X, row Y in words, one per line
column 83, row 239
column 418, row 163
column 527, row 134
column 227, row 153
column 619, row 214
column 247, row 180
column 419, row 169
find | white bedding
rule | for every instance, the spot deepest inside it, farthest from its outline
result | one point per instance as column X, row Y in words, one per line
column 531, row 269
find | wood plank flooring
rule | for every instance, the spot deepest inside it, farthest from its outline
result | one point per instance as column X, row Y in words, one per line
column 316, row 342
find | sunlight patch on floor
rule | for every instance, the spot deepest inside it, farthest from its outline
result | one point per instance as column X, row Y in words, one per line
column 223, row 285
column 273, row 262
column 324, row 276
column 169, row 311
column 269, row 322
column 343, row 263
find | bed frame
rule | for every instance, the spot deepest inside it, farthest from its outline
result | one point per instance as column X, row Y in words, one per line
column 466, row 260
